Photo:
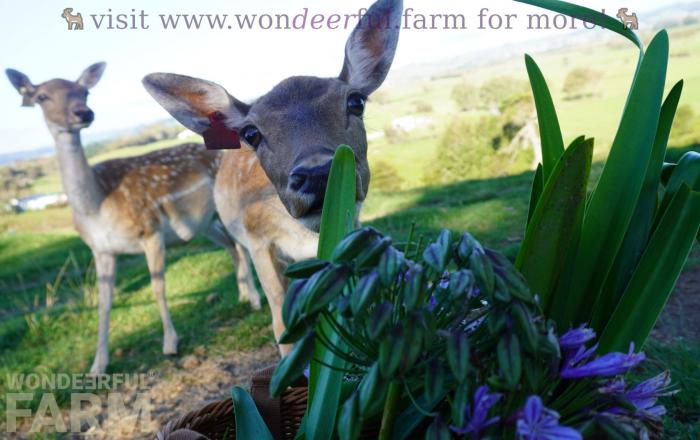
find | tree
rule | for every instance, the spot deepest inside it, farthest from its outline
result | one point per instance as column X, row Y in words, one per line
column 393, row 134
column 582, row 81
column 467, row 151
column 466, row 96
column 517, row 111
column 494, row 92
column 385, row 178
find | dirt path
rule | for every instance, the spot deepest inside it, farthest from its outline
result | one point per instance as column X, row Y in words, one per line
column 196, row 380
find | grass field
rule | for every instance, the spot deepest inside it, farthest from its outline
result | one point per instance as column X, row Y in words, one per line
column 48, row 316
column 582, row 116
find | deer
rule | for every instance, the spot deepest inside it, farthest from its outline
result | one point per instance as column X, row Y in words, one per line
column 270, row 193
column 136, row 205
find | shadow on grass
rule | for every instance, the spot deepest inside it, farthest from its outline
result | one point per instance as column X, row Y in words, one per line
column 493, row 210
column 28, row 269
column 24, row 277
column 64, row 342
column 25, row 317
column 198, row 323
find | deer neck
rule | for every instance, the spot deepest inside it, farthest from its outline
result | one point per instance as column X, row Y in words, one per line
column 79, row 179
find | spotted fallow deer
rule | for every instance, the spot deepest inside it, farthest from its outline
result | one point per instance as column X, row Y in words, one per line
column 133, row 205
column 270, row 193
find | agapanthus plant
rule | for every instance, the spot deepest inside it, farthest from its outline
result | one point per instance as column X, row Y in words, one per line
column 453, row 340
column 449, row 341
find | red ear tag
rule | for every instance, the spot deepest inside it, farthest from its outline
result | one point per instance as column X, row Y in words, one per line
column 219, row 136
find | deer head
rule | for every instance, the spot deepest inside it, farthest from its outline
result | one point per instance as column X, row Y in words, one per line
column 296, row 127
column 63, row 102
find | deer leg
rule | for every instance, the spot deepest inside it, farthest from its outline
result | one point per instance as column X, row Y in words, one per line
column 154, row 248
column 105, row 266
column 244, row 277
column 274, row 285
column 247, row 292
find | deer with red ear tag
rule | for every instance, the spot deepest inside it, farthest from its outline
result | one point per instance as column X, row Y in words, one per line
column 270, row 192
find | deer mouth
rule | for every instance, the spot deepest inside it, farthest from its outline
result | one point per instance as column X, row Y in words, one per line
column 308, row 207
column 78, row 126
column 301, row 205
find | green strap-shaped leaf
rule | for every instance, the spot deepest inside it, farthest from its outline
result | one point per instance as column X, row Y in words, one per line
column 551, row 230
column 411, row 418
column 550, row 132
column 589, row 15
column 339, row 202
column 536, row 192
column 687, row 171
column 338, row 213
column 614, row 200
column 656, row 274
column 249, row 423
column 638, row 233
column 667, row 172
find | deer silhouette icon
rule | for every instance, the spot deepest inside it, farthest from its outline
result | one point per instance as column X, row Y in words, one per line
column 629, row 20
column 75, row 21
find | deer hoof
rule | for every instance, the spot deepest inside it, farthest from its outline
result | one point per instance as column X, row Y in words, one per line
column 98, row 368
column 255, row 302
column 246, row 295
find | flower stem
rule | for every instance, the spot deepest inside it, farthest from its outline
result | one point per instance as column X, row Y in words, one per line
column 390, row 406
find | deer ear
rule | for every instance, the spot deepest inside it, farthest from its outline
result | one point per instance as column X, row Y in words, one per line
column 370, row 49
column 198, row 104
column 21, row 82
column 91, row 76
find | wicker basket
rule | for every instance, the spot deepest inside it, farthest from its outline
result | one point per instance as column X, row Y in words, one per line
column 282, row 415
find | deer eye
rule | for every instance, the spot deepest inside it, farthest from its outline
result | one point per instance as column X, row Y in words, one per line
column 42, row 97
column 356, row 104
column 252, row 135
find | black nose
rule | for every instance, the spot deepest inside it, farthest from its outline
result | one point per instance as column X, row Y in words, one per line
column 85, row 115
column 310, row 181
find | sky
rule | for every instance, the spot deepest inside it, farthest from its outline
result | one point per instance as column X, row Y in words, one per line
column 247, row 62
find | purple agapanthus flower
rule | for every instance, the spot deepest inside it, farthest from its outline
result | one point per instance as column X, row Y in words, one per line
column 575, row 338
column 432, row 303
column 476, row 415
column 643, row 396
column 445, row 280
column 615, row 386
column 608, row 365
column 572, row 359
column 537, row 422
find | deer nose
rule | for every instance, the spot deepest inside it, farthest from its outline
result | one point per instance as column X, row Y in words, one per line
column 85, row 115
column 310, row 180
